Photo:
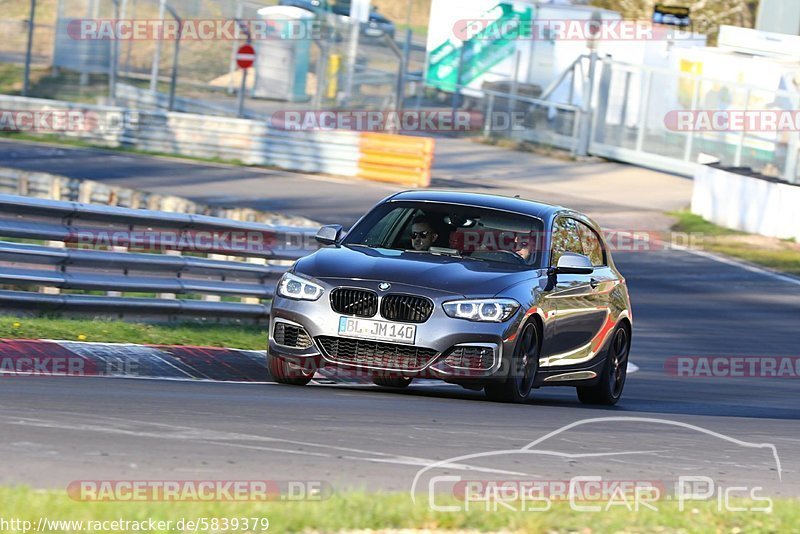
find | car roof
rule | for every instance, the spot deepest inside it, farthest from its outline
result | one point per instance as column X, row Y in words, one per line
column 541, row 210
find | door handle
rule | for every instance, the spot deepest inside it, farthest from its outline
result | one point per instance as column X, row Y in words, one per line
column 594, row 283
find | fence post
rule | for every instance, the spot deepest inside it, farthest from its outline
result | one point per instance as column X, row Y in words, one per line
column 401, row 77
column 487, row 122
column 234, row 46
column 737, row 157
column 321, row 73
column 598, row 125
column 586, row 123
column 352, row 60
column 162, row 4
column 790, row 169
column 28, row 47
column 687, row 149
column 174, row 77
column 112, row 67
column 643, row 105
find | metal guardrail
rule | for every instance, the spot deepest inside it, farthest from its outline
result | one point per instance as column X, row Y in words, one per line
column 56, row 187
column 92, row 253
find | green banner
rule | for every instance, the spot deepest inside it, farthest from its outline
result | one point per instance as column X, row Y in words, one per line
column 493, row 44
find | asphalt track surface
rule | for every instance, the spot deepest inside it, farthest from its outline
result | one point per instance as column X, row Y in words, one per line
column 736, row 431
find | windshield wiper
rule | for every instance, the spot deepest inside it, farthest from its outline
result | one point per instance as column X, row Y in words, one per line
column 455, row 254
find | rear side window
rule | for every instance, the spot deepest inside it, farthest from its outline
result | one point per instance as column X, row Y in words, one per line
column 592, row 246
column 566, row 238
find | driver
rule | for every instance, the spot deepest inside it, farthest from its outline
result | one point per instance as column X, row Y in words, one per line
column 522, row 246
column 422, row 234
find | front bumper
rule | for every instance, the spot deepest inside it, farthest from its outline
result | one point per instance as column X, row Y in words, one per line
column 440, row 333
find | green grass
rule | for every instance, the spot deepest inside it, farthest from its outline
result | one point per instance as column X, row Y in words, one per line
column 690, row 223
column 43, row 84
column 777, row 254
column 348, row 511
column 209, row 335
column 80, row 143
column 10, row 78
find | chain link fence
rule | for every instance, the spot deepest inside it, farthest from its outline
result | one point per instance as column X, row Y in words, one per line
column 326, row 70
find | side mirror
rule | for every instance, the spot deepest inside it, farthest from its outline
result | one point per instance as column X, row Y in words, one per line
column 329, row 234
column 572, row 263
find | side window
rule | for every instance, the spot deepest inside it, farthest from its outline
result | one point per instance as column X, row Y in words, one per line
column 379, row 234
column 566, row 238
column 592, row 246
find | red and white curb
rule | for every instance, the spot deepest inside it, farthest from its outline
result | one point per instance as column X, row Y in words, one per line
column 43, row 357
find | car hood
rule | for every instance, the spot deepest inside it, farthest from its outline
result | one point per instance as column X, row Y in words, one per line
column 442, row 273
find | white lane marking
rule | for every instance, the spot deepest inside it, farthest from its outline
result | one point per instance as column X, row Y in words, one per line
column 735, row 263
column 217, row 437
column 423, row 462
column 632, row 367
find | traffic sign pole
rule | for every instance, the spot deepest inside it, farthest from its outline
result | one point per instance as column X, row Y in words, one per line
column 245, row 57
column 241, row 93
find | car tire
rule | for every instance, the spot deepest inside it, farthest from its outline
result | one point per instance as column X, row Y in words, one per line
column 397, row 382
column 285, row 372
column 522, row 372
column 608, row 389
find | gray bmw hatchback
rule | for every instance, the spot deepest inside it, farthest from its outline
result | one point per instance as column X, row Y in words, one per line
column 488, row 292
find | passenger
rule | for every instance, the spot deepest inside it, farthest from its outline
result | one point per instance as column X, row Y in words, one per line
column 422, row 233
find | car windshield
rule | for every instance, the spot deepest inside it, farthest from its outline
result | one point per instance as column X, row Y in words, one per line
column 469, row 232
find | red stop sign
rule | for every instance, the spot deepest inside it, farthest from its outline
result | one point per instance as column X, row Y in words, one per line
column 245, row 56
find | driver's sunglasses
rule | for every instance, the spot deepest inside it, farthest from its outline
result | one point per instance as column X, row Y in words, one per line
column 420, row 235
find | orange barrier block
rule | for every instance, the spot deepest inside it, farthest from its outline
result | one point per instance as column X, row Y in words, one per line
column 380, row 173
column 394, row 158
column 397, row 143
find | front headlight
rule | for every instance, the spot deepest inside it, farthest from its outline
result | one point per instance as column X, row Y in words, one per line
column 486, row 310
column 293, row 287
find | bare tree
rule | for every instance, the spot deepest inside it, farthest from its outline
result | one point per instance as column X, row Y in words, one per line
column 707, row 15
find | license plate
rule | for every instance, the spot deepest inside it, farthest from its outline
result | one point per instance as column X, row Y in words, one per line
column 377, row 330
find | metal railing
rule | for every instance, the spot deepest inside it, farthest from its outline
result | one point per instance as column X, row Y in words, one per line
column 505, row 114
column 98, row 259
column 56, row 187
column 631, row 124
